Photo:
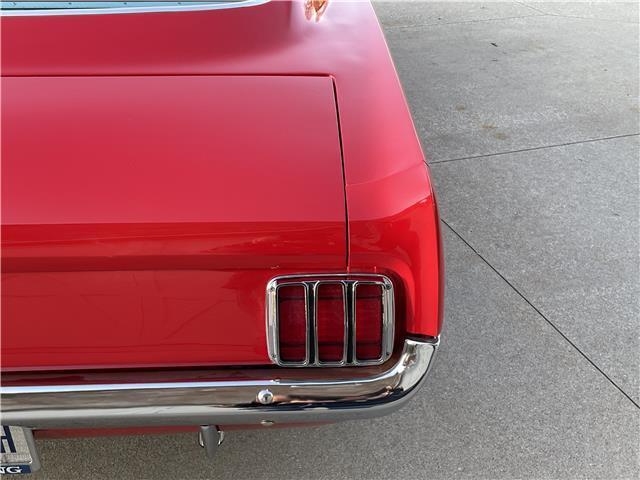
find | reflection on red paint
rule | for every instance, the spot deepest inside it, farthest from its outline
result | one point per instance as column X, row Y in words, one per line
column 314, row 9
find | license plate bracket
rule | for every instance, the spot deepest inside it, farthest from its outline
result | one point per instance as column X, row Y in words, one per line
column 18, row 453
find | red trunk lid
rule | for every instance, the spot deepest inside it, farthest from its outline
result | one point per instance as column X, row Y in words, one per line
column 143, row 216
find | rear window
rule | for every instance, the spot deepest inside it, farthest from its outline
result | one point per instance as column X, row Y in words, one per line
column 154, row 5
column 27, row 5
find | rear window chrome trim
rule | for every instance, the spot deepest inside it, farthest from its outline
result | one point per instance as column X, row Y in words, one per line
column 119, row 10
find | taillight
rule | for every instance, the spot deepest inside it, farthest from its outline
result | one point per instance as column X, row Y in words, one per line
column 292, row 334
column 331, row 327
column 369, row 312
column 330, row 320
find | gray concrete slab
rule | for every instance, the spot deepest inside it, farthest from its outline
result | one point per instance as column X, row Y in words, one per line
column 507, row 84
column 561, row 224
column 404, row 13
column 601, row 10
column 507, row 398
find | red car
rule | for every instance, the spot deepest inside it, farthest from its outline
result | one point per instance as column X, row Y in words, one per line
column 214, row 216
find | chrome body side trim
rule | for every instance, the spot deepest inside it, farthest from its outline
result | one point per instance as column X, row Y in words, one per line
column 339, row 396
column 120, row 10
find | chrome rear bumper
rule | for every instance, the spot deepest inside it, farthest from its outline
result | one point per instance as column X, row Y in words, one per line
column 243, row 401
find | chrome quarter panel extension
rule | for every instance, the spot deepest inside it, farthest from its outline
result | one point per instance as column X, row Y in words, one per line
column 310, row 283
column 343, row 395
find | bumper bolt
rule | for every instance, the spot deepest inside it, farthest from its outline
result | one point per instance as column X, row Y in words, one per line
column 265, row 397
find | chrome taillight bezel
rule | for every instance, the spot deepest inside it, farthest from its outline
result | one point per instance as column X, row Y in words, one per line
column 349, row 283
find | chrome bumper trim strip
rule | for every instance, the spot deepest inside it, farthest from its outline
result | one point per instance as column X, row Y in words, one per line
column 220, row 402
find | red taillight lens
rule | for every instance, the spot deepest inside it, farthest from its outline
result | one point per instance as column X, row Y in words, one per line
column 331, row 322
column 292, row 331
column 369, row 315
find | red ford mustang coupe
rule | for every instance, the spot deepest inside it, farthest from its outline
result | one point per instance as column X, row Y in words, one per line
column 214, row 216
